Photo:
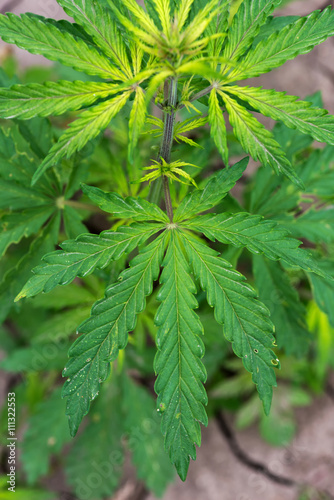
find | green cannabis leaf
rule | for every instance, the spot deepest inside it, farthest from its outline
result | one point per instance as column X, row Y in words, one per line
column 183, row 59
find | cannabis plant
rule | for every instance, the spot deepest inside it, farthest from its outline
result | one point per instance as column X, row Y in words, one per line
column 169, row 56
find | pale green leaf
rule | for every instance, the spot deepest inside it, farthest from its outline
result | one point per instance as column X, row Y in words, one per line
column 97, row 20
column 245, row 26
column 190, row 124
column 148, row 30
column 202, row 20
column 218, row 25
column 17, row 225
column 163, row 9
column 187, row 140
column 257, row 140
column 218, row 127
column 40, row 36
column 90, row 123
column 51, row 98
column 137, row 120
column 183, row 12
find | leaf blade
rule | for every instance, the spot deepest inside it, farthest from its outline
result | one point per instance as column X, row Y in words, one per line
column 245, row 319
column 218, row 127
column 137, row 209
column 258, row 141
column 215, row 190
column 294, row 114
column 51, row 98
column 106, row 331
column 259, row 235
column 137, row 120
column 82, row 130
column 296, row 38
column 80, row 257
column 40, row 36
column 181, row 374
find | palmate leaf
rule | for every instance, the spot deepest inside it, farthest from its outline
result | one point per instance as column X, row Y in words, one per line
column 218, row 127
column 96, row 19
column 295, row 114
column 297, row 38
column 245, row 26
column 51, row 98
column 73, row 226
column 40, row 36
column 87, row 127
column 80, row 257
column 181, row 374
column 246, row 320
column 286, row 310
column 15, row 165
column 137, row 209
column 258, row 141
column 15, row 196
column 14, row 226
column 106, row 331
column 258, row 235
column 215, row 190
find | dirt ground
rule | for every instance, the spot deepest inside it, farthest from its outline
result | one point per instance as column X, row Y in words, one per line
column 218, row 474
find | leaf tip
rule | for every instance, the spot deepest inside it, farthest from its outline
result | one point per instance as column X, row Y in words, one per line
column 20, row 296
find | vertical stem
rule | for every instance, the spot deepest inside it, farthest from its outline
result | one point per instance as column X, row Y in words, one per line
column 167, row 142
column 166, row 146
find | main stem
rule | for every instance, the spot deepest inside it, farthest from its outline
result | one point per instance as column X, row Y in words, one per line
column 167, row 141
